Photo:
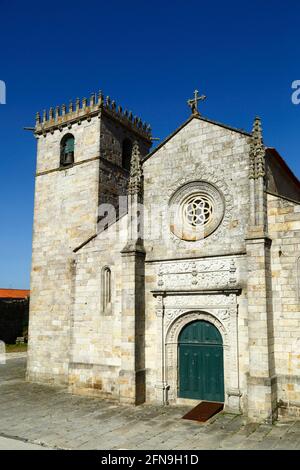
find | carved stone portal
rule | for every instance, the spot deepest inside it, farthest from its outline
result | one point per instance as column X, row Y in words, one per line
column 176, row 311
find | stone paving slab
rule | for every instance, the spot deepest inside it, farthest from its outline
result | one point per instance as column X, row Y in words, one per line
column 15, row 444
column 50, row 416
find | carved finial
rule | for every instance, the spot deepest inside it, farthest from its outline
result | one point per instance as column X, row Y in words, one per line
column 51, row 114
column 136, row 172
column 57, row 113
column 100, row 98
column 84, row 103
column 113, row 105
column 108, row 101
column 120, row 110
column 257, row 131
column 71, row 106
column 257, row 151
column 130, row 116
column 193, row 103
column 63, row 110
column 92, row 99
column 44, row 115
column 37, row 118
column 77, row 104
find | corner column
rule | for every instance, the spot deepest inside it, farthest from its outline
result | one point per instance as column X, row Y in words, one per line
column 132, row 374
column 262, row 383
column 262, row 386
column 161, row 386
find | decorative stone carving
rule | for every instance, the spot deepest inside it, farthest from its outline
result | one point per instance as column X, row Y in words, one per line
column 257, row 152
column 232, row 270
column 194, row 301
column 224, row 320
column 204, row 174
column 194, row 274
column 201, row 274
column 196, row 210
column 178, row 267
column 160, row 274
column 223, row 315
column 173, row 332
column 173, row 313
column 159, row 308
column 136, row 172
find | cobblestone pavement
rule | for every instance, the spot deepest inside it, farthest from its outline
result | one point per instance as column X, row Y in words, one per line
column 49, row 416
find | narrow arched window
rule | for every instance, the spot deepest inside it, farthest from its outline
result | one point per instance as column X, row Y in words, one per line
column 67, row 150
column 106, row 289
column 126, row 153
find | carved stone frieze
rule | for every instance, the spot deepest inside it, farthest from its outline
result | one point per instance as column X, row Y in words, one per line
column 202, row 274
column 196, row 301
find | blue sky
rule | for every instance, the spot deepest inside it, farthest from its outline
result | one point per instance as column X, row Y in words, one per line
column 149, row 56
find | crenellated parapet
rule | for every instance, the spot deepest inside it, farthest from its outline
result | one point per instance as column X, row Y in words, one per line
column 65, row 116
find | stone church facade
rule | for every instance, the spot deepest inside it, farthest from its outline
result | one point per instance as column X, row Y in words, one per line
column 164, row 277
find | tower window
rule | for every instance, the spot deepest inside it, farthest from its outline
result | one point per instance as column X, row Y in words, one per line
column 67, row 150
column 126, row 153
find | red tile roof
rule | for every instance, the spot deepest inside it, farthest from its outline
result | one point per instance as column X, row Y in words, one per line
column 14, row 293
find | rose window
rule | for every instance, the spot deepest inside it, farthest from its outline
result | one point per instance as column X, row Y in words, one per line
column 197, row 210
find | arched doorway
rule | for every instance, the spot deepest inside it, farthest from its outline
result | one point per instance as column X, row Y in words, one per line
column 200, row 362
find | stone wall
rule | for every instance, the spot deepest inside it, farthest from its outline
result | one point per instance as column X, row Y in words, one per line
column 220, row 156
column 284, row 229
column 199, row 151
column 221, row 302
column 241, row 276
column 65, row 215
column 95, row 359
column 113, row 177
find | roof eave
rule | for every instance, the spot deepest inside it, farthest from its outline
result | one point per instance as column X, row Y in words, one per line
column 283, row 164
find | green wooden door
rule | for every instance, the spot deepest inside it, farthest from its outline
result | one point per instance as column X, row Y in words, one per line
column 200, row 359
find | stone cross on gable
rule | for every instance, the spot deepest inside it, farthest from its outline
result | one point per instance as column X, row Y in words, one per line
column 193, row 103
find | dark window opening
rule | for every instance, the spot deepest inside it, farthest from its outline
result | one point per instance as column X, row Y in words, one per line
column 67, row 150
column 126, row 154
